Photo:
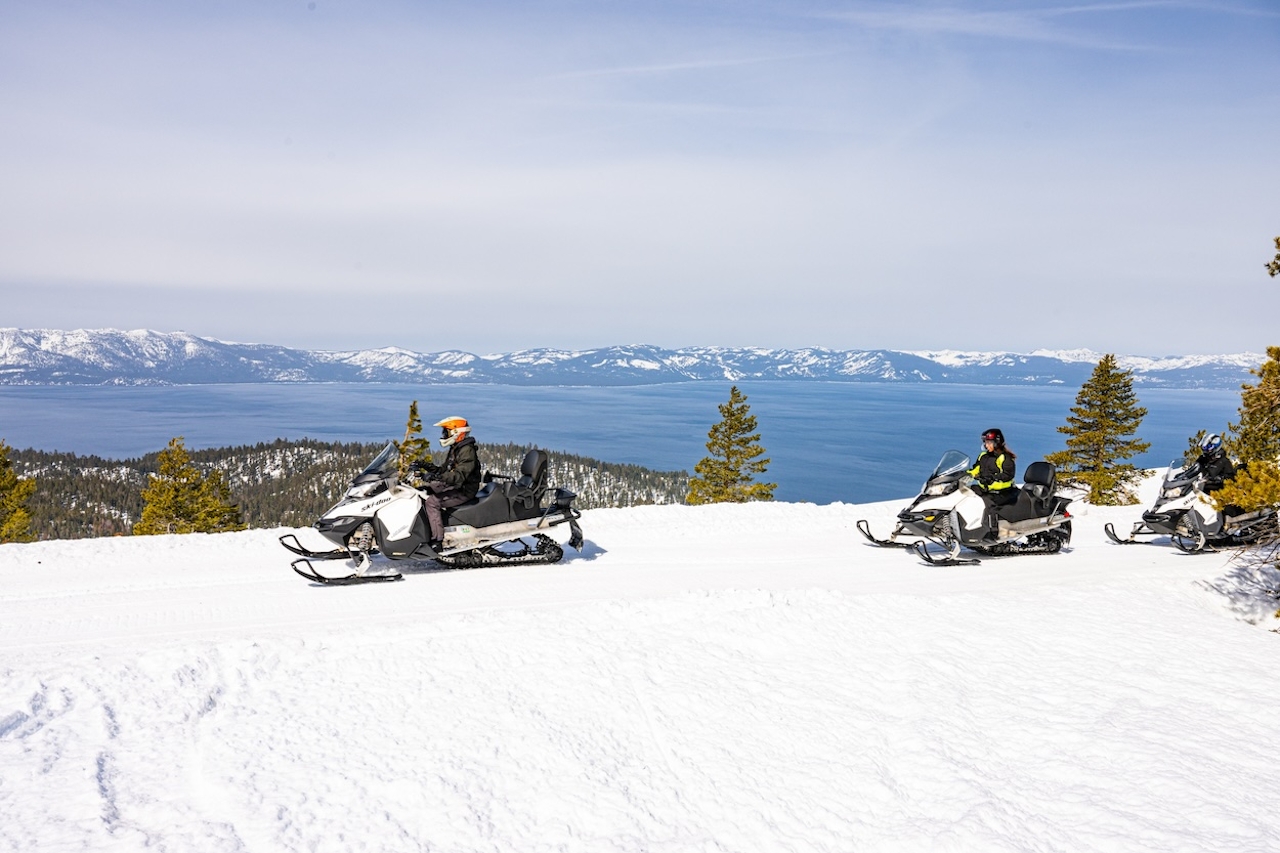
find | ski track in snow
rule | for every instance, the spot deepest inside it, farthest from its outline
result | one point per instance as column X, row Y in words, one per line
column 728, row 678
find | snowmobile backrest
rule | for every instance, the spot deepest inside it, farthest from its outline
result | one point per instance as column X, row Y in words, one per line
column 533, row 471
column 532, row 483
column 1039, row 480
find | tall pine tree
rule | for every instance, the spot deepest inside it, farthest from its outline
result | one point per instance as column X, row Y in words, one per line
column 1273, row 268
column 727, row 475
column 1106, row 413
column 413, row 448
column 15, row 519
column 1255, row 441
column 179, row 499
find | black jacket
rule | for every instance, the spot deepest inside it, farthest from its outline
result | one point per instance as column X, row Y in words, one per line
column 994, row 471
column 461, row 468
column 1217, row 469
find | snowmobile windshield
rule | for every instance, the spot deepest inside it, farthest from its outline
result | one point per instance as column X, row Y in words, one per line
column 952, row 465
column 385, row 465
column 1179, row 475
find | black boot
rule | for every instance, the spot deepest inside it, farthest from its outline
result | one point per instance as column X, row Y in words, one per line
column 992, row 523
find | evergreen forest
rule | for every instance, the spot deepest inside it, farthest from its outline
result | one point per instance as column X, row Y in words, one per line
column 290, row 483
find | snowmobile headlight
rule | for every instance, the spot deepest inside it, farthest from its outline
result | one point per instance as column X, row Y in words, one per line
column 1174, row 493
column 939, row 489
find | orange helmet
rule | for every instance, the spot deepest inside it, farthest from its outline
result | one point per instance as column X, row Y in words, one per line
column 452, row 429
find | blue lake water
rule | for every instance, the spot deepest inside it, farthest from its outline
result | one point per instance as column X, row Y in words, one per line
column 828, row 442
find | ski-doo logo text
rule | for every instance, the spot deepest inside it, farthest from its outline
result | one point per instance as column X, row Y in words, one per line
column 374, row 504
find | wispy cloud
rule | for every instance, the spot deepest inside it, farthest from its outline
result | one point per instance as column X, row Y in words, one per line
column 681, row 66
column 1041, row 25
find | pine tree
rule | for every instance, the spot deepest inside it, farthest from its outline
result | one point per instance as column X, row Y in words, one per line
column 179, row 499
column 1106, row 413
column 1273, row 268
column 1255, row 441
column 726, row 476
column 218, row 512
column 1257, row 436
column 15, row 519
column 413, row 448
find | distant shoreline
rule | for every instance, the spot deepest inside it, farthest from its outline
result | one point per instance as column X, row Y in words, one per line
column 51, row 358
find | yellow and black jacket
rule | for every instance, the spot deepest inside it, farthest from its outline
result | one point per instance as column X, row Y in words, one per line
column 994, row 471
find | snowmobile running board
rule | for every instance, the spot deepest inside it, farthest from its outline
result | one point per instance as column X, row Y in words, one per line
column 919, row 548
column 347, row 580
column 865, row 530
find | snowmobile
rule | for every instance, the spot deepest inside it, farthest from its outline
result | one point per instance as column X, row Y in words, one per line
column 1185, row 513
column 504, row 524
column 950, row 514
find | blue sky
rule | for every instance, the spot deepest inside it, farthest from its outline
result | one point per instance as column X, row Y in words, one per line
column 496, row 176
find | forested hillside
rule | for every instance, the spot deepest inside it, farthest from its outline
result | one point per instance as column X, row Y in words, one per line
column 289, row 483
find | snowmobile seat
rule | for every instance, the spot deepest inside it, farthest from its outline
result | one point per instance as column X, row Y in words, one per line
column 1033, row 497
column 489, row 506
column 526, row 492
column 514, row 501
column 1039, row 480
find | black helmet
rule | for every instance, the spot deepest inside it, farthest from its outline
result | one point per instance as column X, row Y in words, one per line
column 994, row 435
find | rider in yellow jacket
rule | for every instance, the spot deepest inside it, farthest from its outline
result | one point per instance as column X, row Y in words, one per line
column 994, row 473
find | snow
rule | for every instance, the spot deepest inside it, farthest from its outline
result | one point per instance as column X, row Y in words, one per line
column 722, row 678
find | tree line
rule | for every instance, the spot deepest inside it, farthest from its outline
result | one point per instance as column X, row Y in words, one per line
column 282, row 483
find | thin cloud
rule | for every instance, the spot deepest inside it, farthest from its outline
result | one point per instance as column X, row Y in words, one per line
column 675, row 67
column 1028, row 25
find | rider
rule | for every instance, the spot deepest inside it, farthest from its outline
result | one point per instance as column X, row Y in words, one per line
column 457, row 480
column 994, row 473
column 1214, row 463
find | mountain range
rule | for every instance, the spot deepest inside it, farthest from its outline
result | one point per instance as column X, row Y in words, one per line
column 144, row 357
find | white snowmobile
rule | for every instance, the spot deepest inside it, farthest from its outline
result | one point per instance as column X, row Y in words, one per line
column 950, row 515
column 504, row 524
column 1187, row 515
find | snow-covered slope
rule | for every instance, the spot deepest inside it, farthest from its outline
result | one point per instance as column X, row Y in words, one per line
column 722, row 678
column 107, row 356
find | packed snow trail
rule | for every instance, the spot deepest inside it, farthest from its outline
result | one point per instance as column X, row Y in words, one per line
column 696, row 680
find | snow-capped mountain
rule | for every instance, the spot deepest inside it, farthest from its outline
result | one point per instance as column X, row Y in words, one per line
column 107, row 356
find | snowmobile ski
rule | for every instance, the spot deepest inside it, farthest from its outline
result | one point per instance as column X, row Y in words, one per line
column 947, row 560
column 1110, row 530
column 302, row 551
column 1191, row 541
column 865, row 530
column 343, row 580
column 1133, row 539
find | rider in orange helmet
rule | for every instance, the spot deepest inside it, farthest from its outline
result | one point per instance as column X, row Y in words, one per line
column 457, row 480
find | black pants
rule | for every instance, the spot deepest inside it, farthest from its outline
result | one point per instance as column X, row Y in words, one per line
column 437, row 503
column 995, row 500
